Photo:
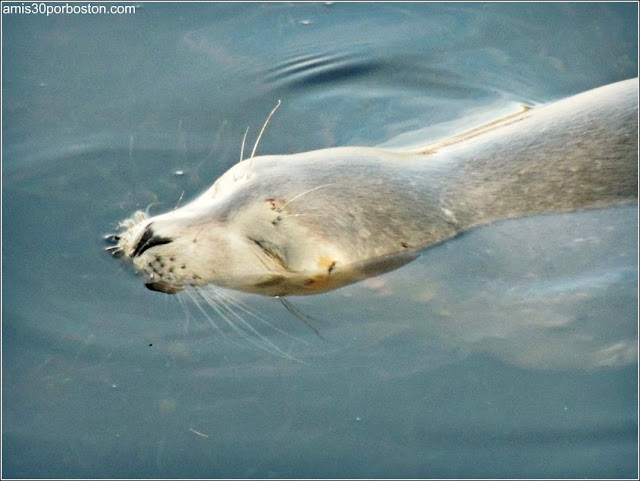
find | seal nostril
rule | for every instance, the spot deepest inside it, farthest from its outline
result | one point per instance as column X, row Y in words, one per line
column 111, row 238
column 114, row 248
column 149, row 240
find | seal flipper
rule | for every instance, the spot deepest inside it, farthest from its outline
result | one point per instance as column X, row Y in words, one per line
column 358, row 271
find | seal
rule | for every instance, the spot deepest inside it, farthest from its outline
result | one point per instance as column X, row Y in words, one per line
column 282, row 225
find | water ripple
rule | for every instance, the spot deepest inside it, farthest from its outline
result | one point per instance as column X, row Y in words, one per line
column 399, row 72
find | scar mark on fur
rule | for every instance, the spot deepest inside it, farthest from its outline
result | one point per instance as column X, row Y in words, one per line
column 195, row 239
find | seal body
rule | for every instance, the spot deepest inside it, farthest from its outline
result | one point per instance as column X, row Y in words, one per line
column 307, row 223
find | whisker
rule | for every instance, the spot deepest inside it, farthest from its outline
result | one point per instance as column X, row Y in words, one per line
column 305, row 193
column 255, row 146
column 305, row 318
column 179, row 200
column 188, row 314
column 225, row 306
column 302, row 214
column 223, row 336
column 248, row 310
column 244, row 139
column 213, row 305
column 206, row 315
column 263, row 342
column 146, row 211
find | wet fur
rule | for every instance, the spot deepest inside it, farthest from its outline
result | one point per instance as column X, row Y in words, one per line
column 306, row 223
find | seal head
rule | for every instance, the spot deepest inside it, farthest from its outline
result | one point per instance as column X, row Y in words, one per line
column 250, row 232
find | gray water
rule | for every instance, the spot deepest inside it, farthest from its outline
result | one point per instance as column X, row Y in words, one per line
column 510, row 351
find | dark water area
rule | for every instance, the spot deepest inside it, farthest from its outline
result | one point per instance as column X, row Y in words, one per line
column 508, row 352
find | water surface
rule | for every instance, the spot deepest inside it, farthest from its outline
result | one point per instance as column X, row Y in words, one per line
column 510, row 351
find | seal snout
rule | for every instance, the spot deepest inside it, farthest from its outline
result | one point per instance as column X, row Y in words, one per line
column 148, row 240
column 114, row 245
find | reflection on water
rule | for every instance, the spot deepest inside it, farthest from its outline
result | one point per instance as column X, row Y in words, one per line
column 545, row 292
column 508, row 352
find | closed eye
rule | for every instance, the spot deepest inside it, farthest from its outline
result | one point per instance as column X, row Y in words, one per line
column 270, row 249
